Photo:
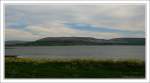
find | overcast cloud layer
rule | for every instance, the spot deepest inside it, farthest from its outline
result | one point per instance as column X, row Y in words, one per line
column 32, row 22
column 72, row 0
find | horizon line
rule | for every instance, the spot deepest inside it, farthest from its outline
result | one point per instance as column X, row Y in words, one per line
column 77, row 37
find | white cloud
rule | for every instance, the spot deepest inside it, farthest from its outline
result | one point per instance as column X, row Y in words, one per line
column 37, row 32
column 48, row 20
column 15, row 34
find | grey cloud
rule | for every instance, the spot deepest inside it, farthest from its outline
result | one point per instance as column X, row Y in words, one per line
column 121, row 17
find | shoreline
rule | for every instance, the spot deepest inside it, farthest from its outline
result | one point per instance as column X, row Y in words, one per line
column 61, row 58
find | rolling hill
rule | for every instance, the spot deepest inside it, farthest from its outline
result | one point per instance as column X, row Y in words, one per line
column 62, row 41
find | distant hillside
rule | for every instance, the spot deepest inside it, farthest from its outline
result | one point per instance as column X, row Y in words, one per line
column 15, row 42
column 131, row 41
column 56, row 41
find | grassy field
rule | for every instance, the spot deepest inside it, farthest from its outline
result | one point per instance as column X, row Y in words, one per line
column 29, row 68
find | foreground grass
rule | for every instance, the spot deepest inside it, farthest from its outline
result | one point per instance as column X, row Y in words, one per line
column 29, row 68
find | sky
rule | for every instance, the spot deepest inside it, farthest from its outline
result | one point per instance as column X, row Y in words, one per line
column 71, row 0
column 103, row 21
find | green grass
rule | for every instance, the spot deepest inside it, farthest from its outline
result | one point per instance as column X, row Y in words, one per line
column 29, row 68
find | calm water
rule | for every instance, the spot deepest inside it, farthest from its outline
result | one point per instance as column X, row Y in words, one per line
column 69, row 52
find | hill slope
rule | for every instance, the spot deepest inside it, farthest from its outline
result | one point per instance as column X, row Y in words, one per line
column 53, row 41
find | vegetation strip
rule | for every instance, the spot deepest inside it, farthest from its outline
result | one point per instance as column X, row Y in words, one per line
column 29, row 68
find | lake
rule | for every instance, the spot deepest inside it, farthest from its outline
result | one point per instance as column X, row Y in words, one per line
column 117, row 52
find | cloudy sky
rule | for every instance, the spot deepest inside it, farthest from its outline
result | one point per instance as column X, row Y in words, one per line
column 32, row 22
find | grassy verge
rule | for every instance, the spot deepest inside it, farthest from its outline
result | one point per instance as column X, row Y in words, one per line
column 29, row 68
